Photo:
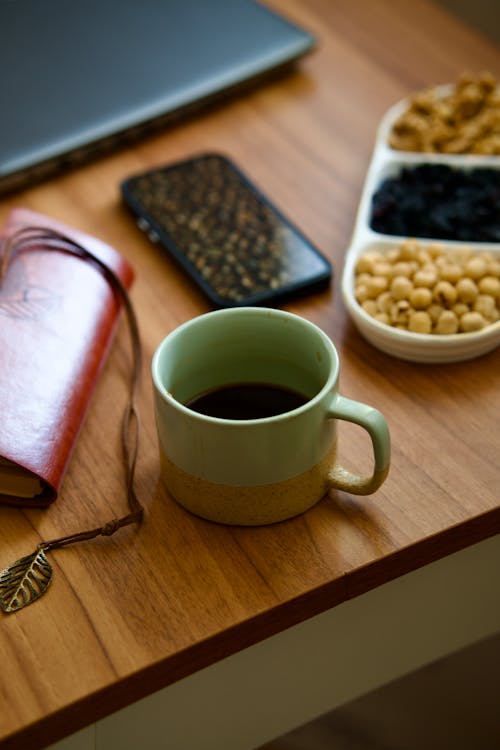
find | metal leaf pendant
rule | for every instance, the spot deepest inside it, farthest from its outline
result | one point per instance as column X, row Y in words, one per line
column 24, row 581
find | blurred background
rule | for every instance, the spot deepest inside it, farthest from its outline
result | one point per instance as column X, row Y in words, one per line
column 452, row 704
column 483, row 14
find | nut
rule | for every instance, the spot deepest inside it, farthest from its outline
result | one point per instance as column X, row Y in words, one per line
column 465, row 121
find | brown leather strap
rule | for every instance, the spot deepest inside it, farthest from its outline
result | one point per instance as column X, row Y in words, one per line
column 28, row 238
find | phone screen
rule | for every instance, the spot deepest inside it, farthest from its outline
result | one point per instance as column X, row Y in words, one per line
column 237, row 246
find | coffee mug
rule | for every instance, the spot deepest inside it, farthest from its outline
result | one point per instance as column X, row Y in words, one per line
column 254, row 471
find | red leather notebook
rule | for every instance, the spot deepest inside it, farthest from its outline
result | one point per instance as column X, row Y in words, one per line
column 58, row 314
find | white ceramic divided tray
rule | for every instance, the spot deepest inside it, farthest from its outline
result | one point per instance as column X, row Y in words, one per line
column 416, row 347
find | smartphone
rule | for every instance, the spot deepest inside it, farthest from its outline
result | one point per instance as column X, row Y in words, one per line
column 225, row 233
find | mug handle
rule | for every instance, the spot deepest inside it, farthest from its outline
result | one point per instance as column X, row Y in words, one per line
column 374, row 422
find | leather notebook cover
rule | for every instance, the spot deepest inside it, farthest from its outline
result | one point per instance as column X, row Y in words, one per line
column 58, row 314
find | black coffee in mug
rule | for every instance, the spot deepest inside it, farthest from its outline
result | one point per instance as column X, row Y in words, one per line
column 246, row 401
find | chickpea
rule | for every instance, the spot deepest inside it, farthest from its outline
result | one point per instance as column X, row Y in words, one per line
column 451, row 272
column 467, row 290
column 435, row 250
column 393, row 255
column 409, row 249
column 370, row 306
column 420, row 322
column 475, row 268
column 435, row 311
column 460, row 308
column 489, row 285
column 420, row 297
column 402, row 268
column 447, row 323
column 361, row 293
column 362, row 278
column 429, row 289
column 384, row 302
column 495, row 315
column 472, row 321
column 424, row 258
column 401, row 287
column 376, row 285
column 365, row 262
column 427, row 277
column 400, row 312
column 494, row 268
column 485, row 304
column 444, row 293
column 461, row 256
column 381, row 268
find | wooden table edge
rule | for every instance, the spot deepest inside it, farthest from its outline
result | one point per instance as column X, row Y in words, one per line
column 205, row 653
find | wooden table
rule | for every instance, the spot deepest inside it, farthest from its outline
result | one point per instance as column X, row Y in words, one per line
column 135, row 613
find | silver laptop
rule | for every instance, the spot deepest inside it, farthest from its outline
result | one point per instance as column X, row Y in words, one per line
column 77, row 78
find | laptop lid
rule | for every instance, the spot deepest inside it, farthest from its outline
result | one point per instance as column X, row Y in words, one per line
column 77, row 77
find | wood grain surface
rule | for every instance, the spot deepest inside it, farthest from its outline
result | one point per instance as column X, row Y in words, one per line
column 135, row 612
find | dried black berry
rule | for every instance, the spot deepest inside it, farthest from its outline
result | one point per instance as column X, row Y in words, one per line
column 439, row 201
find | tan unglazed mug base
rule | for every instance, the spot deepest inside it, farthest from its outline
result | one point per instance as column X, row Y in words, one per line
column 249, row 506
